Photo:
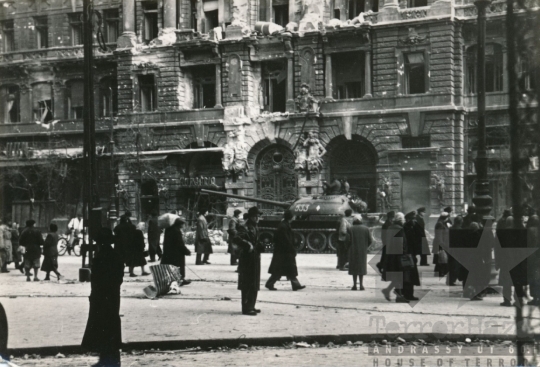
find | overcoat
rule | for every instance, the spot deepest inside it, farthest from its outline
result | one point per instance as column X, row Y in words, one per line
column 174, row 248
column 360, row 241
column 154, row 233
column 249, row 267
column 32, row 241
column 202, row 240
column 135, row 250
column 124, row 236
column 50, row 253
column 233, row 223
column 6, row 232
column 17, row 256
column 395, row 248
column 284, row 256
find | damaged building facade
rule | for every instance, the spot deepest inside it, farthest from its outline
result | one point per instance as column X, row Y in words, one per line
column 267, row 98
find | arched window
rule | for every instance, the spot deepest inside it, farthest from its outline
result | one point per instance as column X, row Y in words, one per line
column 494, row 68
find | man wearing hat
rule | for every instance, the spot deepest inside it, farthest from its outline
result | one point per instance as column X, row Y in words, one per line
column 202, row 239
column 449, row 220
column 32, row 241
column 422, row 231
column 174, row 248
column 233, row 223
column 249, row 268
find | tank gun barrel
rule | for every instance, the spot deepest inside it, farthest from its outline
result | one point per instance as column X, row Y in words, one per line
column 257, row 200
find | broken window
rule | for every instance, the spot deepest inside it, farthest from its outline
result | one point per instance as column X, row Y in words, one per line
column 10, row 104
column 348, row 75
column 204, row 86
column 42, row 102
column 415, row 73
column 8, row 34
column 42, row 32
column 494, row 69
column 416, row 3
column 150, row 21
column 75, row 24
column 108, row 102
column 75, row 99
column 111, row 25
column 355, row 8
column 274, row 85
column 211, row 15
column 147, row 93
column 280, row 10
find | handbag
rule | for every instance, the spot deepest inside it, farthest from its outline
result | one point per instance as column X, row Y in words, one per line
column 443, row 257
column 407, row 262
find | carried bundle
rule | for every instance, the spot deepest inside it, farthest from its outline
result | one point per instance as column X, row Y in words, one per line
column 167, row 220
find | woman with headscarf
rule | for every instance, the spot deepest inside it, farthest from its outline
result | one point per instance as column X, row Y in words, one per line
column 360, row 239
column 174, row 248
column 50, row 253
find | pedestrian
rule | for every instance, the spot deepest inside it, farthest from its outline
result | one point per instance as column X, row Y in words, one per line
column 360, row 239
column 103, row 332
column 76, row 227
column 5, row 232
column 470, row 217
column 384, row 229
column 17, row 250
column 249, row 267
column 284, row 256
column 124, row 234
column 135, row 251
column 425, row 245
column 483, row 262
column 501, row 262
column 533, row 261
column 342, row 248
column 50, row 253
column 399, row 267
column 231, row 248
column 174, row 248
column 154, row 236
column 203, row 246
column 453, row 264
column 32, row 241
column 449, row 210
column 413, row 233
column 440, row 243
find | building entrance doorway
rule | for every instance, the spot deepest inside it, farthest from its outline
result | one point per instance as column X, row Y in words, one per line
column 415, row 191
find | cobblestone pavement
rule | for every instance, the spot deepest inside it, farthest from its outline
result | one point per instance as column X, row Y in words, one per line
column 54, row 313
column 279, row 356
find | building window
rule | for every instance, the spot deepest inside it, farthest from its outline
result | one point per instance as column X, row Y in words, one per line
column 150, row 21
column 415, row 141
column 111, row 25
column 211, row 15
column 280, row 10
column 355, row 8
column 75, row 99
column 75, row 24
column 193, row 14
column 415, row 73
column 8, row 34
column 526, row 76
column 42, row 102
column 42, row 32
column 147, row 93
column 494, row 69
column 274, row 86
column 10, row 107
column 348, row 75
column 416, row 3
column 108, row 106
column 204, row 86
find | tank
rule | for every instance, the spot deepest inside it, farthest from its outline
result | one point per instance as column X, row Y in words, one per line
column 316, row 220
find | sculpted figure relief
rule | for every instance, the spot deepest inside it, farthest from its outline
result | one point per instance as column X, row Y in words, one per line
column 315, row 151
column 235, row 153
column 305, row 102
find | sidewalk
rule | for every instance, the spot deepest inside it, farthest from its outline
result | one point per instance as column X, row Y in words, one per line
column 51, row 316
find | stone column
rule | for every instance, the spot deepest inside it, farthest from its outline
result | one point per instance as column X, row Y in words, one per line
column 328, row 78
column 367, row 75
column 128, row 39
column 169, row 14
column 290, row 84
column 218, row 87
column 390, row 11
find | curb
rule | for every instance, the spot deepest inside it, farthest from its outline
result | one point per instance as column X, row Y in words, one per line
column 262, row 342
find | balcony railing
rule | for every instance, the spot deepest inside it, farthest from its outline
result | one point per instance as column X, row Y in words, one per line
column 53, row 53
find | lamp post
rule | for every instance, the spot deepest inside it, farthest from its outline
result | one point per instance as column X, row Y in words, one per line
column 482, row 199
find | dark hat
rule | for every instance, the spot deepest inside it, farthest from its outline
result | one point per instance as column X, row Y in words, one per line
column 30, row 222
column 448, row 209
column 180, row 220
column 421, row 209
column 237, row 211
column 471, row 209
column 410, row 215
column 391, row 214
column 253, row 211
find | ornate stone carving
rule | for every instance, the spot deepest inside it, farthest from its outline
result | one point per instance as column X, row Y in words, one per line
column 438, row 185
column 413, row 38
column 413, row 14
column 305, row 102
column 311, row 15
column 235, row 153
column 315, row 151
column 384, row 194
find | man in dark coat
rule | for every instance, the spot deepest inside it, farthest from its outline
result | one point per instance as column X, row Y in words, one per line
column 32, row 241
column 360, row 241
column 174, row 248
column 422, row 230
column 124, row 234
column 103, row 332
column 387, row 223
column 249, row 268
column 412, row 232
column 154, row 236
column 233, row 223
column 471, row 217
column 203, row 245
column 284, row 256
column 342, row 249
